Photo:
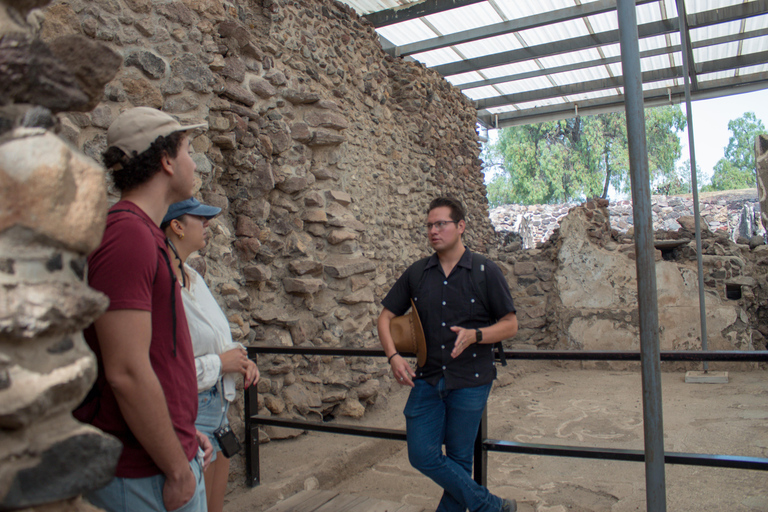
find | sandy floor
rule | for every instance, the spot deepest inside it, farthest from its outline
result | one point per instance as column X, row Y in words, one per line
column 550, row 406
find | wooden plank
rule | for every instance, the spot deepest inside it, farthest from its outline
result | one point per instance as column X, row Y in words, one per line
column 343, row 503
column 304, row 501
column 388, row 506
column 409, row 508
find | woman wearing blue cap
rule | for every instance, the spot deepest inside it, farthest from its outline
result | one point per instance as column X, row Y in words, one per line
column 217, row 358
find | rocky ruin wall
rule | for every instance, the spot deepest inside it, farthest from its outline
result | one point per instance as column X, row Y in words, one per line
column 578, row 290
column 322, row 151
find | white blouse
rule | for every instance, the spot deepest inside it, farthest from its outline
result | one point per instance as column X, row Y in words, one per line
column 209, row 329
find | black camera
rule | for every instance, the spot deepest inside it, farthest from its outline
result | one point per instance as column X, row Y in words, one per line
column 227, row 440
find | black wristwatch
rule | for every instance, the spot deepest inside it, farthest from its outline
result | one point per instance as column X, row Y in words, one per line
column 478, row 335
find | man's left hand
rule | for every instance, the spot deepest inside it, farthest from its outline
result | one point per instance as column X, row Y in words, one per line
column 464, row 338
column 207, row 447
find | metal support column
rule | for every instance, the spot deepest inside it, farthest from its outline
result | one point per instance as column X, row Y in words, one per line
column 685, row 45
column 655, row 487
column 252, row 463
column 481, row 454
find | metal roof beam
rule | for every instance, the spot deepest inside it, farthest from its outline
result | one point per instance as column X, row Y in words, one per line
column 732, row 13
column 517, row 25
column 425, row 8
column 554, row 48
column 610, row 60
column 685, row 36
column 652, row 98
column 562, row 69
column 616, row 82
column 703, row 19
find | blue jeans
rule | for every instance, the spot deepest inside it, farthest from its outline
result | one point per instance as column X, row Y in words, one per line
column 434, row 417
column 146, row 494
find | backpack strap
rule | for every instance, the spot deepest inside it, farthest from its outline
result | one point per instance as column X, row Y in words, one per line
column 87, row 410
column 416, row 275
column 170, row 271
column 480, row 284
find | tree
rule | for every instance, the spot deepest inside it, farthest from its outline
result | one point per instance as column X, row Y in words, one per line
column 680, row 183
column 737, row 168
column 573, row 159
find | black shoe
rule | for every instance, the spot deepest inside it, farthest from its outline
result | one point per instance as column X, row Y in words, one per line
column 508, row 506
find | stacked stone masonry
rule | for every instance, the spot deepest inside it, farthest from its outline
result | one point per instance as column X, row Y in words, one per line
column 323, row 153
column 578, row 289
column 737, row 212
column 53, row 203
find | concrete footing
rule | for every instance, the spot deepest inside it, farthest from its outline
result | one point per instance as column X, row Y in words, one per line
column 706, row 377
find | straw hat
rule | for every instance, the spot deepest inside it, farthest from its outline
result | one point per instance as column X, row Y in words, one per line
column 408, row 335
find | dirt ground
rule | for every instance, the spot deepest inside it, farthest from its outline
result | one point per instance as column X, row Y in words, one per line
column 548, row 405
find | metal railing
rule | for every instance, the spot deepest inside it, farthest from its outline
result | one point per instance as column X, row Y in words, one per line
column 483, row 445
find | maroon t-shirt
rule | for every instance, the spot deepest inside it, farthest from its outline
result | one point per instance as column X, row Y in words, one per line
column 129, row 267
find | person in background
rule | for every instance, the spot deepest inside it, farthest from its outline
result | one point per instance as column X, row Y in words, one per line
column 450, row 390
column 145, row 392
column 217, row 358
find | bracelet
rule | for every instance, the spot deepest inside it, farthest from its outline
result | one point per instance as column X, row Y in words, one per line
column 389, row 359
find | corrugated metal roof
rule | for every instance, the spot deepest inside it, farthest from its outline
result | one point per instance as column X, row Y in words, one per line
column 524, row 61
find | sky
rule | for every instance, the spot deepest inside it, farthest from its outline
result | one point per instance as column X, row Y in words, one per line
column 710, row 125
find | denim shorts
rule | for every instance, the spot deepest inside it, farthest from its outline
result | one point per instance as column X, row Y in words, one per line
column 146, row 494
column 211, row 415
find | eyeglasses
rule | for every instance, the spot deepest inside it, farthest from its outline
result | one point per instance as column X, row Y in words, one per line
column 440, row 225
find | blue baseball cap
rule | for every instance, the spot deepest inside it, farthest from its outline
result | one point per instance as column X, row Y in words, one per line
column 190, row 206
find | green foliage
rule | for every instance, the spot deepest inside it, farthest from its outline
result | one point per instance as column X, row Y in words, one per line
column 574, row 159
column 737, row 168
column 680, row 183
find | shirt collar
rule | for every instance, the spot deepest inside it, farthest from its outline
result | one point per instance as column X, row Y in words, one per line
column 465, row 260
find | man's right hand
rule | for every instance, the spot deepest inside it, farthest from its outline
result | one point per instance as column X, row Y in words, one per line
column 178, row 491
column 402, row 371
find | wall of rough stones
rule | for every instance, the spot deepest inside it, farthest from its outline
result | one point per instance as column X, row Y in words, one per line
column 52, row 209
column 736, row 212
column 323, row 153
column 578, row 290
column 761, row 162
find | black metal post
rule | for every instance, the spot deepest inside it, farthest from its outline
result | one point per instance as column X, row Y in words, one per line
column 481, row 454
column 251, row 408
column 655, row 486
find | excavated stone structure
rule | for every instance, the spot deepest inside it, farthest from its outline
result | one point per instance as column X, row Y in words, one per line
column 579, row 289
column 52, row 212
column 323, row 153
column 761, row 161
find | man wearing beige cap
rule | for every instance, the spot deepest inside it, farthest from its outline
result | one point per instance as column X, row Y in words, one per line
column 463, row 304
column 146, row 389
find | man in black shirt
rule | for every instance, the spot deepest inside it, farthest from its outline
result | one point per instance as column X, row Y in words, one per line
column 450, row 391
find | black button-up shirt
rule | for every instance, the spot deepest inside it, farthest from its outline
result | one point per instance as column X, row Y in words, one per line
column 444, row 302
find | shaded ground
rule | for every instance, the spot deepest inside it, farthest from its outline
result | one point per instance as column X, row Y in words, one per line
column 550, row 406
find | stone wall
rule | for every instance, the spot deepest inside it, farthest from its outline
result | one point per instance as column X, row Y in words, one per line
column 761, row 162
column 52, row 209
column 578, row 290
column 735, row 212
column 323, row 153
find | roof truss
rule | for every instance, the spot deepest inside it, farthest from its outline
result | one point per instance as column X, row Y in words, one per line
column 543, row 90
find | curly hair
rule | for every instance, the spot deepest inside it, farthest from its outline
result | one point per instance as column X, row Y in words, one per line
column 137, row 169
column 457, row 209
